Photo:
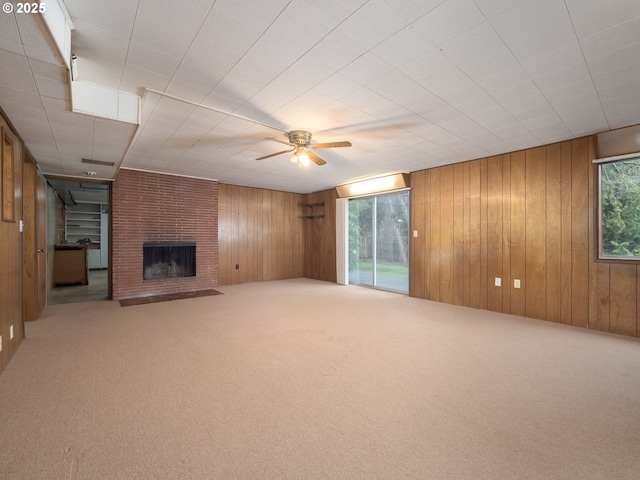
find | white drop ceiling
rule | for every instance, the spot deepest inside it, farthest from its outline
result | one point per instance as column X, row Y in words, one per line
column 412, row 84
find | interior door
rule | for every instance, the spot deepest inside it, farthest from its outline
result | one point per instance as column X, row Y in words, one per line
column 34, row 243
column 41, row 245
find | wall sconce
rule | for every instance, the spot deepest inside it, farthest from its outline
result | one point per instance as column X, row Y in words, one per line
column 387, row 183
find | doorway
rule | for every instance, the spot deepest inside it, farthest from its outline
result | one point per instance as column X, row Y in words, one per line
column 81, row 245
column 378, row 238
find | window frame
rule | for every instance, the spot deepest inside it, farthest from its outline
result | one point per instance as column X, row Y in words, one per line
column 600, row 255
column 7, row 180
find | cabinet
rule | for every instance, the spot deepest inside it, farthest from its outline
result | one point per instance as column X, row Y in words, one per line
column 70, row 265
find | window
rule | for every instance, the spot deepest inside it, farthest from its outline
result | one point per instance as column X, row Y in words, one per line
column 619, row 207
column 8, row 190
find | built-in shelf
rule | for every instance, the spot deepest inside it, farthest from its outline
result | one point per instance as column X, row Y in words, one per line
column 312, row 212
column 83, row 222
column 88, row 221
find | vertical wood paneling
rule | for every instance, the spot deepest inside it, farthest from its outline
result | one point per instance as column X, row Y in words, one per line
column 426, row 241
column 416, row 269
column 435, row 234
column 474, row 234
column 507, row 283
column 527, row 215
column 580, row 232
column 268, row 236
column 553, row 223
column 623, row 292
column 466, row 202
column 235, row 235
column 494, row 233
column 566, row 214
column 278, row 198
column 593, row 270
column 320, row 237
column 30, row 279
column 262, row 231
column 603, row 297
column 484, row 233
column 11, row 256
column 446, row 235
column 518, row 217
column 535, row 234
column 458, row 234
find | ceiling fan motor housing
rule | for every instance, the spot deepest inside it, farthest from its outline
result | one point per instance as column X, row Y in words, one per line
column 300, row 138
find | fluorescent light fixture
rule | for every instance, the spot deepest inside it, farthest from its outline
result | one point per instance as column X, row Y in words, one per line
column 396, row 181
column 98, row 162
column 614, row 143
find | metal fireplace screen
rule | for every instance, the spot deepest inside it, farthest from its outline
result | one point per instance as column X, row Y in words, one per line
column 168, row 260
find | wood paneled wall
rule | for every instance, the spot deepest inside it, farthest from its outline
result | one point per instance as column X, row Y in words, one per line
column 261, row 231
column 320, row 236
column 527, row 215
column 11, row 255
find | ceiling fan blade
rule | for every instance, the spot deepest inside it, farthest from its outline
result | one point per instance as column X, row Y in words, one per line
column 280, row 141
column 274, row 154
column 330, row 145
column 315, row 158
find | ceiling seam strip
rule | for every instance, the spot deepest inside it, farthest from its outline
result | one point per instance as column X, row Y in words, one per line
column 586, row 64
column 240, row 117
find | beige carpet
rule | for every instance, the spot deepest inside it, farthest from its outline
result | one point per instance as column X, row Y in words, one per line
column 302, row 379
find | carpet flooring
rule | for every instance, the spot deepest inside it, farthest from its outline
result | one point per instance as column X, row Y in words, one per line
column 301, row 379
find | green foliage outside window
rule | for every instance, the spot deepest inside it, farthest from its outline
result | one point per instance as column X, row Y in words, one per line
column 620, row 209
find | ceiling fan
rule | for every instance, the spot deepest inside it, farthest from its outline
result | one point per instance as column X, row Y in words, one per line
column 300, row 140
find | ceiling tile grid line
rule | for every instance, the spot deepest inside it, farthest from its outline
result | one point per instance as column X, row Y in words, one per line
column 411, row 84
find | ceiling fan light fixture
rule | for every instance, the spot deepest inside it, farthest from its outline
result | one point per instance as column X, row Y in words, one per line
column 303, row 159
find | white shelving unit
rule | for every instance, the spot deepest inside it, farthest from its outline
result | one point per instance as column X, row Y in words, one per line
column 82, row 224
column 86, row 220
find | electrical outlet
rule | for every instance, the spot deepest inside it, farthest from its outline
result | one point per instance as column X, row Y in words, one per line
column 10, row 332
column 415, row 234
column 498, row 282
column 237, row 266
column 516, row 283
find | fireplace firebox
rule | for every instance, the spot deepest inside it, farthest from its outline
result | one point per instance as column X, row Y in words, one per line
column 168, row 260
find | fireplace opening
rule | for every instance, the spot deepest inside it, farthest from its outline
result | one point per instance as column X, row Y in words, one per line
column 168, row 260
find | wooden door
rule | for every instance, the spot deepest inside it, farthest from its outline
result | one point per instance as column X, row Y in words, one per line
column 35, row 233
column 41, row 245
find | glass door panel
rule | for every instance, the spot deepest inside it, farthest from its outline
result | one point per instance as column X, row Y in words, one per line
column 392, row 242
column 379, row 241
column 361, row 241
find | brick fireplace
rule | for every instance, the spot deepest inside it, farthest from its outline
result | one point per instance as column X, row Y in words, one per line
column 153, row 209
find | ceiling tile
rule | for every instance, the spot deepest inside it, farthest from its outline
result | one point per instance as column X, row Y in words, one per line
column 533, row 27
column 449, row 20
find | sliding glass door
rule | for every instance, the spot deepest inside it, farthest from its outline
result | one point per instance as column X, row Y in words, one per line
column 379, row 241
